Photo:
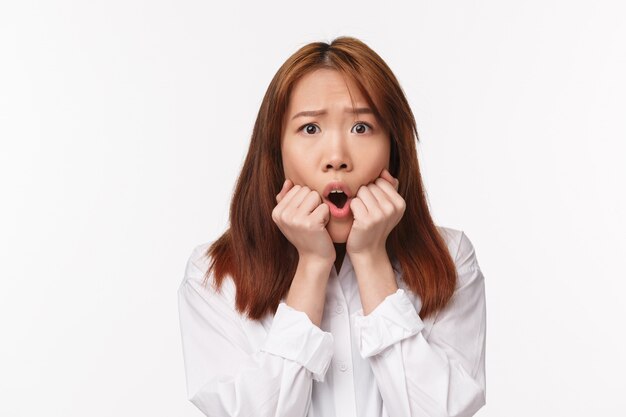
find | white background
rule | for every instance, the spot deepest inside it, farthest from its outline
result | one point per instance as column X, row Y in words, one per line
column 124, row 124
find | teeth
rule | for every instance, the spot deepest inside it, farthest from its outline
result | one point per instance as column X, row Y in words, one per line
column 336, row 191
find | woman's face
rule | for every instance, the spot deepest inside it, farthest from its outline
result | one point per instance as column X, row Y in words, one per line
column 330, row 143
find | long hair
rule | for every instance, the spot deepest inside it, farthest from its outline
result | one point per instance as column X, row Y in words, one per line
column 254, row 252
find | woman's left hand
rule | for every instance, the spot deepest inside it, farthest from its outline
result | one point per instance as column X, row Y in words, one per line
column 377, row 208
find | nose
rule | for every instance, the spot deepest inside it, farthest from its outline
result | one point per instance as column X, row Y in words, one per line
column 337, row 155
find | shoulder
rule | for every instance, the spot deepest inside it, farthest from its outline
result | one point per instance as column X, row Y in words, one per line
column 199, row 259
column 197, row 263
column 462, row 251
column 207, row 315
column 196, row 271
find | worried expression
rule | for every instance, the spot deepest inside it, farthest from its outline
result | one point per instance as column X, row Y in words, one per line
column 328, row 147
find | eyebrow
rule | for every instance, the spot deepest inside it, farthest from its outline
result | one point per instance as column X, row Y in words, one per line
column 358, row 110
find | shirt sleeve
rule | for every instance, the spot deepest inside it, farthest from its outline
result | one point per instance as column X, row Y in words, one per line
column 225, row 376
column 439, row 376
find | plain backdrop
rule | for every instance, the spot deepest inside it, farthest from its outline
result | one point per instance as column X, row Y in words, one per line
column 124, row 125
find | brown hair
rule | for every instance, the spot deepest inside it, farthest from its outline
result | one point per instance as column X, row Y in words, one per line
column 255, row 253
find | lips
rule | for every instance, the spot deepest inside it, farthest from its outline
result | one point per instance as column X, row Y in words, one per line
column 334, row 200
column 337, row 185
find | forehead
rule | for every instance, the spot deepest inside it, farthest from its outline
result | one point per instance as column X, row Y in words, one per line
column 323, row 87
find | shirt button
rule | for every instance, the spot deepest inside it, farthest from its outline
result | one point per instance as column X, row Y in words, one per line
column 339, row 309
column 342, row 367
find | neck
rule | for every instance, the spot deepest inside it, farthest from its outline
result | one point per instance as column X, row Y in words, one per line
column 340, row 249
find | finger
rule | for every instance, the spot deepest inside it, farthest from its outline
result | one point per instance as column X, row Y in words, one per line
column 387, row 176
column 384, row 185
column 358, row 208
column 322, row 212
column 310, row 202
column 287, row 185
column 391, row 193
column 295, row 196
column 300, row 196
column 368, row 199
column 380, row 190
column 291, row 193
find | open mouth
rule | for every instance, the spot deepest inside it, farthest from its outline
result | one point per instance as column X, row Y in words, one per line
column 338, row 198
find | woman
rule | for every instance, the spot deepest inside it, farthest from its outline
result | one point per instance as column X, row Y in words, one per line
column 336, row 295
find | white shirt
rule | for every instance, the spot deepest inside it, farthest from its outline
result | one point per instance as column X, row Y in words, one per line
column 389, row 363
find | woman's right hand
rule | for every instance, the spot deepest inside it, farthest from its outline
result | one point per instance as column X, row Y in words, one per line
column 302, row 217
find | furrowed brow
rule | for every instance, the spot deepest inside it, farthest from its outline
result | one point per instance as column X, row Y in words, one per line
column 310, row 113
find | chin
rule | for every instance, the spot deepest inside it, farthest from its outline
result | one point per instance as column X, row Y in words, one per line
column 339, row 231
column 339, row 239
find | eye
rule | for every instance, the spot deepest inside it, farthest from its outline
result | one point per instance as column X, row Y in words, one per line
column 309, row 128
column 361, row 127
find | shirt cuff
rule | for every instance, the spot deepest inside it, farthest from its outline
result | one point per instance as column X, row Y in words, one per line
column 293, row 336
column 393, row 320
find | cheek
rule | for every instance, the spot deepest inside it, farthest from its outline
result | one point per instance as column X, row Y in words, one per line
column 294, row 167
column 288, row 162
column 383, row 158
column 378, row 159
column 385, row 152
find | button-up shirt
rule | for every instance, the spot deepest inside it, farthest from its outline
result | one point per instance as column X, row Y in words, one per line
column 389, row 363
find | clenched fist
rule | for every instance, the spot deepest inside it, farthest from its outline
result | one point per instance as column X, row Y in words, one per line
column 302, row 217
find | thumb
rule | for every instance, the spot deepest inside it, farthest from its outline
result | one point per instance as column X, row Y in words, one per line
column 390, row 178
column 322, row 213
column 283, row 191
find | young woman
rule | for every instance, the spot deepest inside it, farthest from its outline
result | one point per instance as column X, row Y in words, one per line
column 333, row 293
